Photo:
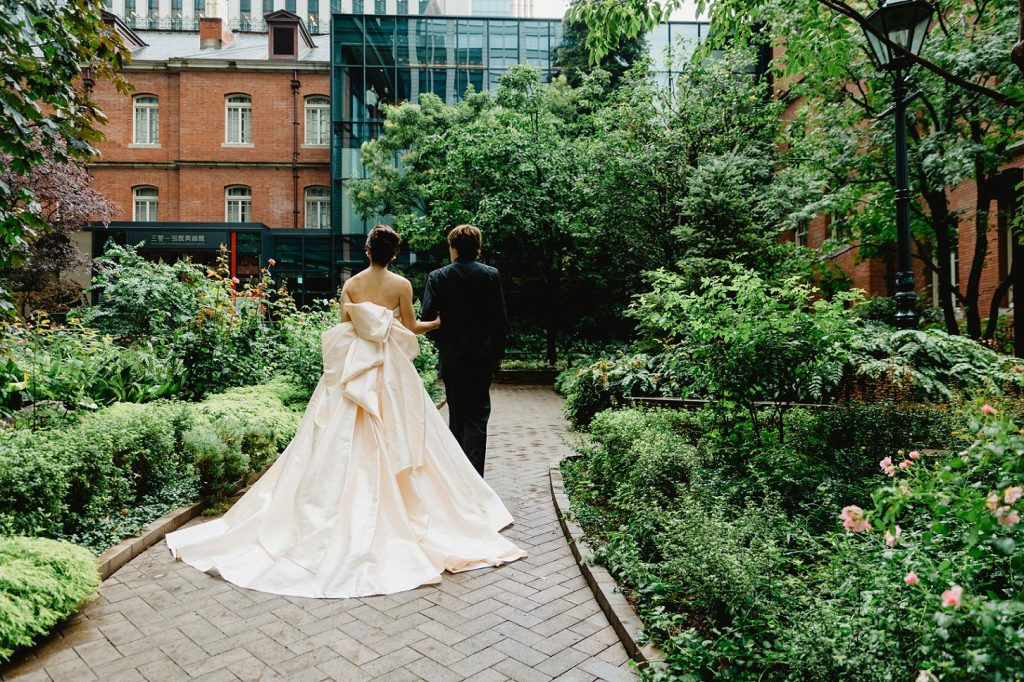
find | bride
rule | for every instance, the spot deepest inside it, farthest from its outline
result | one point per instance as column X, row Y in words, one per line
column 373, row 495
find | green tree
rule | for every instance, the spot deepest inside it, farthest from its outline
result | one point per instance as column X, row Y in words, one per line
column 509, row 164
column 44, row 46
column 581, row 190
column 965, row 118
column 575, row 59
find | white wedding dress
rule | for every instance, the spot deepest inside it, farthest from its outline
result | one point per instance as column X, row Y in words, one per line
column 372, row 496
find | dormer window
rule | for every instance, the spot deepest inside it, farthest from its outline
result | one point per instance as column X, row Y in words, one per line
column 289, row 38
column 283, row 39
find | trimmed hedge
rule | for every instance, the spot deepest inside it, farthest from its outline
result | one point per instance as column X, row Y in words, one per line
column 42, row 582
column 116, row 469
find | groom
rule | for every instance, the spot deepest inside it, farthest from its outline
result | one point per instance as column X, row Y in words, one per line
column 471, row 341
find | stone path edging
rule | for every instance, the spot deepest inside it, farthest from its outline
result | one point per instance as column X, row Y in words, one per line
column 620, row 612
column 126, row 550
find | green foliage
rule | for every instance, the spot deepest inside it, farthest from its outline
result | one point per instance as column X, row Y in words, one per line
column 576, row 63
column 928, row 365
column 580, row 189
column 44, row 47
column 252, row 424
column 607, row 383
column 42, row 582
column 734, row 554
column 78, row 367
column 118, row 468
column 748, row 341
column 141, row 298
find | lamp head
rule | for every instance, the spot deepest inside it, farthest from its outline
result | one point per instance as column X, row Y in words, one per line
column 904, row 22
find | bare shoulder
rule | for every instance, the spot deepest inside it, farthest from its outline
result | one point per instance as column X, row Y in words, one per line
column 400, row 284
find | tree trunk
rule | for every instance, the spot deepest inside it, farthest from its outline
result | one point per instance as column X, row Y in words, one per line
column 1017, row 53
column 942, row 224
column 997, row 297
column 982, row 183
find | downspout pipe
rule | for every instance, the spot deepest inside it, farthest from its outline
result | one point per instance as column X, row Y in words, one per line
column 295, row 148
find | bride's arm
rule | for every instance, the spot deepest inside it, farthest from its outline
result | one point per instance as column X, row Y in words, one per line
column 345, row 298
column 408, row 315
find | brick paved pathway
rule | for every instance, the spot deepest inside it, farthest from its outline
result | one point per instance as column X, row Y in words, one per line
column 160, row 620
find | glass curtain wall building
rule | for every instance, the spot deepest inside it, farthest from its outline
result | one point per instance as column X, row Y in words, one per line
column 379, row 60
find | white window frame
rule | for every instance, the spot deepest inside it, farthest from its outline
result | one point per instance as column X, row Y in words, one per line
column 954, row 276
column 318, row 132
column 150, row 106
column 800, row 234
column 239, row 134
column 238, row 198
column 318, row 208
column 150, row 201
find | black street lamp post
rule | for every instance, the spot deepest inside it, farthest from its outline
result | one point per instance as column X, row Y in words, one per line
column 903, row 23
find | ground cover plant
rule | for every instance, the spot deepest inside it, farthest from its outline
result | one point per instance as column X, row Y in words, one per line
column 42, row 582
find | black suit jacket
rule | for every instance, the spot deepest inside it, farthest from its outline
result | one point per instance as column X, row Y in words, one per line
column 468, row 296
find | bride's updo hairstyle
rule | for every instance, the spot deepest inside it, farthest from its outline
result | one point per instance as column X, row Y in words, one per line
column 382, row 244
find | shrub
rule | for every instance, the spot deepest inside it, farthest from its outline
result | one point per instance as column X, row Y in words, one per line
column 926, row 365
column 42, row 582
column 139, row 297
column 750, row 341
column 85, row 482
column 739, row 566
column 80, row 368
column 607, row 383
column 240, row 431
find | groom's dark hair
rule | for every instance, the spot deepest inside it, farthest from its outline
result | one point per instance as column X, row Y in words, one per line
column 466, row 240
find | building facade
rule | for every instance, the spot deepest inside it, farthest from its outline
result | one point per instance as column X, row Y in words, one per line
column 247, row 140
column 248, row 15
column 395, row 59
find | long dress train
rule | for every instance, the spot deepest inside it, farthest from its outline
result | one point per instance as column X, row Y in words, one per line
column 372, row 496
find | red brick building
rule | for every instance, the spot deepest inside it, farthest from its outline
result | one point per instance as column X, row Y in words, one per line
column 221, row 129
column 877, row 275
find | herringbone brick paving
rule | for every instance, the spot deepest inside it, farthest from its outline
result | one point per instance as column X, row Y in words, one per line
column 159, row 620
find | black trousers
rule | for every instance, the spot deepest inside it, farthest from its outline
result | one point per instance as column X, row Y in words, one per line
column 469, row 407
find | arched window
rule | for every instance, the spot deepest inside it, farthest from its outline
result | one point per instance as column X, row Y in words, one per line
column 146, row 128
column 239, row 204
column 238, row 120
column 318, row 120
column 318, row 208
column 144, row 204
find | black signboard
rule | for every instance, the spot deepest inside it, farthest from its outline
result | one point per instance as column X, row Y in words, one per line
column 179, row 240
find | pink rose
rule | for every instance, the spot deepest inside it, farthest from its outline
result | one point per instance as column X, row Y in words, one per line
column 1012, row 494
column 892, row 538
column 887, row 466
column 951, row 597
column 1007, row 516
column 235, row 280
column 910, row 578
column 914, row 454
column 905, row 464
column 853, row 519
column 988, row 409
column 992, row 502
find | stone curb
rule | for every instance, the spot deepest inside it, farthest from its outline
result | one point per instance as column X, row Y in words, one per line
column 126, row 550
column 120, row 554
column 620, row 612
